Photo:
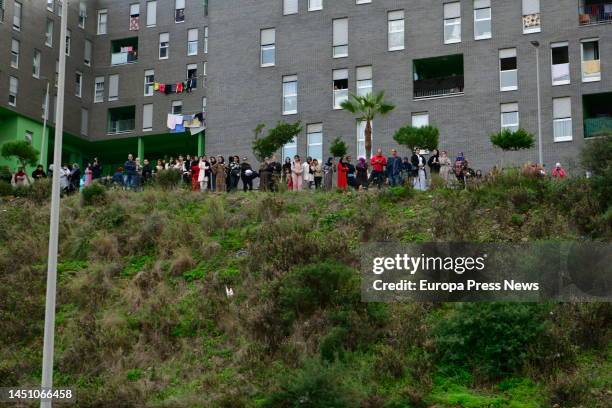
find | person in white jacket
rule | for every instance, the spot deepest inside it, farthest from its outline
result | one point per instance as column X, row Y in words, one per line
column 204, row 170
column 306, row 175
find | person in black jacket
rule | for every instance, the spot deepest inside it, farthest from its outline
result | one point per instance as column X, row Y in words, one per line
column 147, row 172
column 39, row 173
column 246, row 175
column 96, row 169
column 434, row 162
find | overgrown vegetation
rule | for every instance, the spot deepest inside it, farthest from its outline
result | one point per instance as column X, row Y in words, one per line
column 144, row 319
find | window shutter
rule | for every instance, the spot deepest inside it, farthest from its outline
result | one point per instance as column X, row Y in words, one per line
column 180, row 4
column 315, row 128
column 341, row 31
column 147, row 116
column 396, row 15
column 562, row 108
column 290, row 6
column 268, row 36
column 193, row 34
column 507, row 53
column 452, row 10
column 364, row 73
column 290, row 78
column 134, row 9
column 88, row 50
column 340, row 74
column 509, row 107
column 478, row 4
column 113, row 86
column 531, row 7
column 164, row 37
column 151, row 13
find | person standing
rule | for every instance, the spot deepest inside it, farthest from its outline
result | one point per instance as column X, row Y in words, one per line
column 434, row 162
column 96, row 169
column 328, row 174
column 378, row 162
column 75, row 177
column 129, row 172
column 88, row 175
column 317, row 173
column 307, row 174
column 246, row 175
column 235, row 171
column 446, row 167
column 203, row 173
column 394, row 168
column 194, row 171
column 264, row 175
column 362, row 173
column 558, row 172
column 20, row 178
column 276, row 170
column 342, row 175
column 297, row 172
column 406, row 174
column 351, row 176
column 287, row 172
column 212, row 182
column 39, row 173
column 219, row 173
column 419, row 162
column 147, row 172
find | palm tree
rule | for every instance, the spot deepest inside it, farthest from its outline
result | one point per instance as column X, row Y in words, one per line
column 367, row 107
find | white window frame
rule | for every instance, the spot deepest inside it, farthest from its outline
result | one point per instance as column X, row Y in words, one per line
column 17, row 16
column 88, row 53
column 482, row 5
column 192, row 44
column 206, row 40
column 82, row 14
column 339, row 95
column 179, row 5
column 78, row 84
column 164, row 45
column 452, row 21
column 315, row 130
column 290, row 149
column 111, row 96
column 267, row 45
column 507, row 109
column 99, row 87
column 49, row 33
column 590, row 77
column 565, row 65
column 176, row 107
column 360, row 145
column 151, row 13
column 15, row 53
column 565, row 120
column 102, row 22
column 504, row 54
column 13, row 90
column 315, row 5
column 147, row 127
column 396, row 17
column 527, row 11
column 290, row 7
column 364, row 83
column 36, row 61
column 148, row 84
column 340, row 44
column 290, row 95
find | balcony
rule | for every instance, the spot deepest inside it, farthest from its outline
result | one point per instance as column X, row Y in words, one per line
column 121, row 120
column 597, row 110
column 124, row 51
column 595, row 12
column 439, row 76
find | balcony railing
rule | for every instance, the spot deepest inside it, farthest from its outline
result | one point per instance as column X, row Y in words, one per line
column 121, row 126
column 431, row 88
column 594, row 127
column 595, row 13
column 120, row 58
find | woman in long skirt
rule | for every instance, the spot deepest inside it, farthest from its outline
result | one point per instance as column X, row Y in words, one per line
column 328, row 174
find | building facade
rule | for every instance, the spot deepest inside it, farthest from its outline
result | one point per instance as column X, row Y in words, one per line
column 467, row 67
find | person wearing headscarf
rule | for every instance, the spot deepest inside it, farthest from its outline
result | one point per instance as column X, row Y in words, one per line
column 362, row 173
column 342, row 175
column 328, row 174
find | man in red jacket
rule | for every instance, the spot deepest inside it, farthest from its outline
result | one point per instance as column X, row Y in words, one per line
column 378, row 162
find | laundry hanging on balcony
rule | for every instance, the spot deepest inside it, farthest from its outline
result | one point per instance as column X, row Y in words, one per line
column 179, row 87
column 179, row 123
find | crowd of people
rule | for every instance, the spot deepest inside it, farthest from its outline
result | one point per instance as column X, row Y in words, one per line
column 220, row 175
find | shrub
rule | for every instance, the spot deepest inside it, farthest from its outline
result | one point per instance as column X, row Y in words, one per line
column 40, row 191
column 5, row 189
column 5, row 174
column 22, row 151
column 332, row 344
column 93, row 194
column 276, row 138
column 338, row 148
column 490, row 337
column 168, row 179
column 426, row 137
column 514, row 141
column 597, row 158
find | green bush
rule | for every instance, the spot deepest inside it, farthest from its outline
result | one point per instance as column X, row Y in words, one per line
column 5, row 174
column 332, row 344
column 40, row 191
column 492, row 338
column 168, row 179
column 315, row 386
column 6, row 189
column 597, row 158
column 395, row 194
column 93, row 194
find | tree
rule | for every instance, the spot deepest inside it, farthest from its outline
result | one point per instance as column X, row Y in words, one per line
column 276, row 138
column 509, row 140
column 338, row 148
column 366, row 108
column 22, row 151
column 426, row 137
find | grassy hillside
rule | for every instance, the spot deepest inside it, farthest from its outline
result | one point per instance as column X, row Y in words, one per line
column 144, row 320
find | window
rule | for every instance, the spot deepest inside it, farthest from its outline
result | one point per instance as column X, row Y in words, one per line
column 58, row 8
column 290, row 149
column 17, row 16
column 562, row 119
column 509, row 117
column 121, row 120
column 420, row 120
column 113, row 87
column 149, row 82
column 68, row 42
column 268, row 47
column 290, row 7
column 452, row 23
column 508, row 72
column 29, row 136
column 50, row 5
column 15, row 50
column 364, row 80
column 177, row 107
column 290, row 84
column 340, row 37
column 179, row 11
column 395, row 23
column 99, row 90
column 314, row 136
column 147, row 117
column 36, row 64
column 205, row 40
column 363, row 1
column 340, row 77
column 560, row 68
column 84, row 121
column 88, row 52
column 531, row 16
column 192, row 42
column 49, row 33
column 204, row 104
column 591, row 68
column 13, row 89
column 78, row 84
column 82, row 14
column 102, row 21
column 314, row 5
column 482, row 19
column 151, row 13
column 134, row 17
column 192, row 72
column 438, row 76
column 361, row 126
column 164, row 45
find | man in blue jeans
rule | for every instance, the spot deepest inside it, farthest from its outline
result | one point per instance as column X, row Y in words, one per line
column 394, row 169
column 129, row 172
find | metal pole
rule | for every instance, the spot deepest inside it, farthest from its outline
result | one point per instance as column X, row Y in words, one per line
column 45, row 142
column 49, row 336
column 540, row 152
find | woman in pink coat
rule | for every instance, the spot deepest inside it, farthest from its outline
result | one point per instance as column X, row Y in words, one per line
column 297, row 173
